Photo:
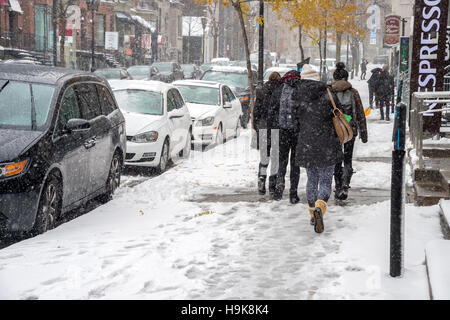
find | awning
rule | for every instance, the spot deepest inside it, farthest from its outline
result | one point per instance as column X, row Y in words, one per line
column 142, row 22
column 124, row 16
column 15, row 6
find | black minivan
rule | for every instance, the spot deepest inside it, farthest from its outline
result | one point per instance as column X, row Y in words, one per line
column 62, row 143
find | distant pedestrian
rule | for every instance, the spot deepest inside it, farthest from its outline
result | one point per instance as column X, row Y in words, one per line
column 384, row 91
column 363, row 69
column 318, row 147
column 352, row 105
column 283, row 105
column 262, row 124
column 371, row 82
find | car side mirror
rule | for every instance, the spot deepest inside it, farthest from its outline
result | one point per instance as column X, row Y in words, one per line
column 77, row 125
column 227, row 105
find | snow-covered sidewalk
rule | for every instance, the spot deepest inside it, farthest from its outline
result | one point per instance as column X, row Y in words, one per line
column 159, row 240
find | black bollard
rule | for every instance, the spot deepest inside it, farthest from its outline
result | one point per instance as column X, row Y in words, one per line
column 398, row 192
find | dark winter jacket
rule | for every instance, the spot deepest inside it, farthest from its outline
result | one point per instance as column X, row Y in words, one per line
column 373, row 78
column 384, row 86
column 352, row 105
column 291, row 80
column 318, row 144
column 262, row 103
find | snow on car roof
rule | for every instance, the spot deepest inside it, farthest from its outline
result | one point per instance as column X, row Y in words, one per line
column 198, row 83
column 278, row 69
column 140, row 84
column 228, row 69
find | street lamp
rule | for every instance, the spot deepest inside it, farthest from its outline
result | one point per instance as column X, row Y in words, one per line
column 93, row 5
column 204, row 20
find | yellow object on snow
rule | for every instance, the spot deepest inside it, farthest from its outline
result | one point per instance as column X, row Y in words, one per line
column 367, row 111
column 204, row 213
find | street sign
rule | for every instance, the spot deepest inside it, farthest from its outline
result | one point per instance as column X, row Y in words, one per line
column 404, row 54
column 373, row 36
column 428, row 54
column 111, row 40
column 373, row 22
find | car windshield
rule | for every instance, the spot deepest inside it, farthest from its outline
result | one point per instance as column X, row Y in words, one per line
column 109, row 74
column 232, row 79
column 140, row 101
column 16, row 105
column 187, row 67
column 139, row 71
column 200, row 95
column 206, row 66
column 163, row 67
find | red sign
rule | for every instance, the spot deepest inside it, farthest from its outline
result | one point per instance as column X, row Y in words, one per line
column 69, row 28
column 129, row 52
column 392, row 31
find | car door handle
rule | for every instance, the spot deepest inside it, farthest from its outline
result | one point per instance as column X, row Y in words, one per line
column 90, row 143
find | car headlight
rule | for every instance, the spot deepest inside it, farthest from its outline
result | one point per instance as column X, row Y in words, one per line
column 243, row 99
column 12, row 169
column 145, row 137
column 206, row 122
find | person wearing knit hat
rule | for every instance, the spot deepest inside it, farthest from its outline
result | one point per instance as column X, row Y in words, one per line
column 352, row 106
column 309, row 73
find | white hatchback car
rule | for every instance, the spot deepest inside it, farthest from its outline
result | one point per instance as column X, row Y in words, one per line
column 158, row 123
column 215, row 111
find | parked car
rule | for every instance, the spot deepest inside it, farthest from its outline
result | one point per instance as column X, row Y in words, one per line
column 114, row 73
column 290, row 66
column 267, row 59
column 144, row 73
column 158, row 122
column 243, row 63
column 191, row 71
column 329, row 64
column 169, row 71
column 237, row 79
column 280, row 70
column 221, row 61
column 62, row 141
column 215, row 111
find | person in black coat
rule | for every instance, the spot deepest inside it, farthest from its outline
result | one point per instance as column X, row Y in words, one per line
column 384, row 91
column 318, row 147
column 371, row 82
column 260, row 124
column 280, row 116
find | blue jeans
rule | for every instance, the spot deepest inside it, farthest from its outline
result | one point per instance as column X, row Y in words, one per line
column 318, row 186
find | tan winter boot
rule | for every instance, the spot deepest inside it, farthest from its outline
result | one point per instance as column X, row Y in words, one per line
column 311, row 213
column 319, row 211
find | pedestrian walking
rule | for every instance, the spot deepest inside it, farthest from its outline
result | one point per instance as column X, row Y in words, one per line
column 318, row 147
column 282, row 107
column 371, row 83
column 364, row 69
column 264, row 135
column 384, row 91
column 352, row 106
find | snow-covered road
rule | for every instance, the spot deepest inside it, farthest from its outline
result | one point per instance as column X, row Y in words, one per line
column 166, row 239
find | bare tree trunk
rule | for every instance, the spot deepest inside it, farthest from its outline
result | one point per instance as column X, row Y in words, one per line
column 237, row 6
column 320, row 54
column 215, row 36
column 189, row 42
column 338, row 46
column 300, row 41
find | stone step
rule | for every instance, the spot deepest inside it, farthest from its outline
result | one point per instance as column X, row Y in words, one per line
column 429, row 194
column 437, row 254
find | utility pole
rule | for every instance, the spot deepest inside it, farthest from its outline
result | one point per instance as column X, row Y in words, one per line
column 55, row 33
column 324, row 74
column 403, row 26
column 261, row 45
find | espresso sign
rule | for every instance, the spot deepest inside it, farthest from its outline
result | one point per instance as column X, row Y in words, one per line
column 392, row 30
column 428, row 54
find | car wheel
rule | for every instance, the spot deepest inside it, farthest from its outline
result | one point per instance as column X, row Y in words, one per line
column 164, row 160
column 113, row 181
column 219, row 135
column 238, row 128
column 187, row 148
column 50, row 204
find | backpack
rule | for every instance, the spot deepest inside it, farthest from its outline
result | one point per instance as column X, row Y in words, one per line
column 347, row 101
column 286, row 115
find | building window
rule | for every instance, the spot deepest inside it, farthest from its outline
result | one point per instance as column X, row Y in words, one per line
column 43, row 34
column 100, row 33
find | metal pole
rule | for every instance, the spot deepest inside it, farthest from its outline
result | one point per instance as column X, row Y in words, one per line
column 93, row 38
column 55, row 33
column 325, row 54
column 261, row 45
column 398, row 192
